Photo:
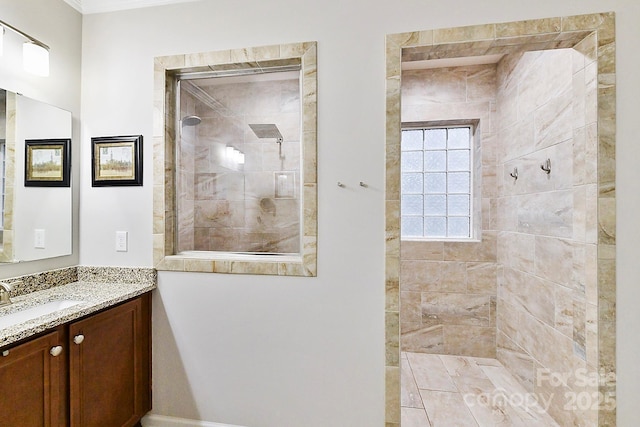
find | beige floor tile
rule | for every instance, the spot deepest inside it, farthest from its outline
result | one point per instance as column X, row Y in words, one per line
column 409, row 394
column 489, row 415
column 501, row 378
column 413, row 417
column 533, row 415
column 483, row 361
column 430, row 373
column 462, row 366
column 487, row 403
column 447, row 409
column 465, row 391
column 523, row 403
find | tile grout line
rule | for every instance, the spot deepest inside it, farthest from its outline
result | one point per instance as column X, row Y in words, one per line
column 416, row 383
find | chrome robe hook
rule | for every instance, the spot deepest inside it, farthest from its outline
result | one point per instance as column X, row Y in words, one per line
column 546, row 166
column 514, row 174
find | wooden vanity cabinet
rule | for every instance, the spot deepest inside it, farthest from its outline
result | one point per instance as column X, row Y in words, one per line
column 33, row 385
column 109, row 370
column 93, row 372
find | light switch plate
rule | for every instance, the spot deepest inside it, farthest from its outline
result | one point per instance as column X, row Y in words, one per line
column 121, row 241
column 38, row 238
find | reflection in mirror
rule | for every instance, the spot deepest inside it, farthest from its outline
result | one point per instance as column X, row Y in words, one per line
column 36, row 221
column 3, row 136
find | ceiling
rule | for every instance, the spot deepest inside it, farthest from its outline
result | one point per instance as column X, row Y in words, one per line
column 98, row 6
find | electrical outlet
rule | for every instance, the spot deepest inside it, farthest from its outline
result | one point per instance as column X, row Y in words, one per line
column 121, row 241
column 38, row 238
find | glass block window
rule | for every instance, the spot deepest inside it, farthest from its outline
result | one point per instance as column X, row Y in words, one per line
column 436, row 200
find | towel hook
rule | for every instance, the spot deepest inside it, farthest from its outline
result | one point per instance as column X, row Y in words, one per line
column 514, row 174
column 546, row 166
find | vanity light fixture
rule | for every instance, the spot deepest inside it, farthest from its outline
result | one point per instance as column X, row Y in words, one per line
column 35, row 54
column 35, row 59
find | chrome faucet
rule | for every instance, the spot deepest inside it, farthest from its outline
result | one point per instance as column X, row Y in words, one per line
column 5, row 296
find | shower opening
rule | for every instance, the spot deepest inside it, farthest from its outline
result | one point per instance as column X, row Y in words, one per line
column 238, row 162
column 532, row 295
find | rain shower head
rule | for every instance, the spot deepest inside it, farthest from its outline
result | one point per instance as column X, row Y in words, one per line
column 266, row 130
column 191, row 121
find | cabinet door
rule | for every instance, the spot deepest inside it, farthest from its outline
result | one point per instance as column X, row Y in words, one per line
column 109, row 366
column 32, row 385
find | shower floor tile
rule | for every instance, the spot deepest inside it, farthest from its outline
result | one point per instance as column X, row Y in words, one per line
column 452, row 391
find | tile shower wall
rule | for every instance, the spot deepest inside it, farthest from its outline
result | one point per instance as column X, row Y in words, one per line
column 547, row 257
column 226, row 206
column 448, row 289
column 539, row 231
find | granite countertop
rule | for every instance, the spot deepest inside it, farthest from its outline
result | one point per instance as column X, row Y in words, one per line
column 95, row 296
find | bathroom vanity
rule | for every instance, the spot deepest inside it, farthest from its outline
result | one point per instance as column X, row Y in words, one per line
column 82, row 366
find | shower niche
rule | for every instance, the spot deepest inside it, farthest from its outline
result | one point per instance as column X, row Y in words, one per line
column 237, row 138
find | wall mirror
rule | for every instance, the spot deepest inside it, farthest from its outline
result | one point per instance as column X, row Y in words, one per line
column 235, row 161
column 36, row 219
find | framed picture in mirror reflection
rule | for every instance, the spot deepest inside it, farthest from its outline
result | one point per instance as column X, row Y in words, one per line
column 116, row 161
column 47, row 163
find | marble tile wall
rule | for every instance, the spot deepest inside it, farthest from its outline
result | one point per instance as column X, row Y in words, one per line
column 547, row 231
column 225, row 206
column 448, row 289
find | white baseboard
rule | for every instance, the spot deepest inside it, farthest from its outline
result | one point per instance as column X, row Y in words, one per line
column 163, row 421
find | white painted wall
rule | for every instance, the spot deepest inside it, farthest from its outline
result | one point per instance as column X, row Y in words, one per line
column 269, row 351
column 58, row 25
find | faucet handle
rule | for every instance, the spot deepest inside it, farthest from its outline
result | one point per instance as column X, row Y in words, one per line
column 5, row 290
column 6, row 287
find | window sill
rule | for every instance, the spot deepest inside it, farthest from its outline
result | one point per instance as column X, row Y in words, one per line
column 445, row 240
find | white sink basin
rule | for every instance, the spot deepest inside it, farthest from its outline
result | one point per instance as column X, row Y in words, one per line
column 34, row 312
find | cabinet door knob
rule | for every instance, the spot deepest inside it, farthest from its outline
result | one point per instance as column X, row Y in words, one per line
column 55, row 351
column 78, row 339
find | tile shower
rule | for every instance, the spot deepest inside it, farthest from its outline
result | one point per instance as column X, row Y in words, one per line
column 228, row 193
column 525, row 294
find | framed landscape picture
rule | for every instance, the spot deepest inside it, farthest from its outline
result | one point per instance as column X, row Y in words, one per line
column 47, row 163
column 116, row 161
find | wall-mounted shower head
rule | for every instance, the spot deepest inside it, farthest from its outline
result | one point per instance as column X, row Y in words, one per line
column 266, row 130
column 191, row 120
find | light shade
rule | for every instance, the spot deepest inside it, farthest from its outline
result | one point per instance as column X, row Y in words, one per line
column 1, row 39
column 35, row 59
